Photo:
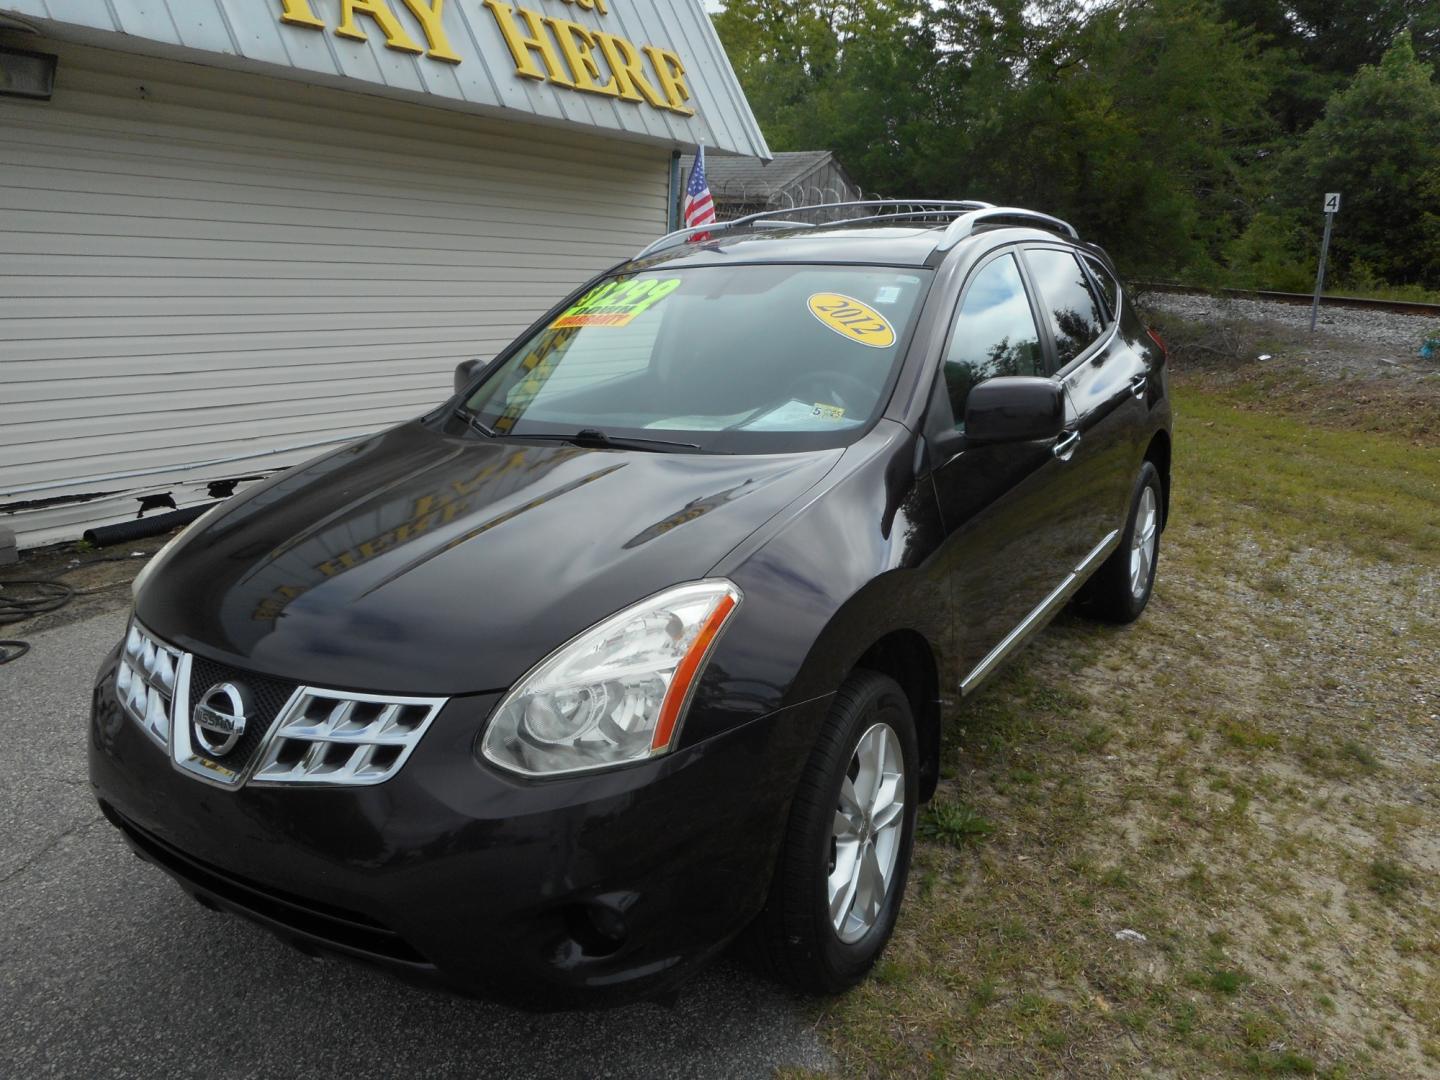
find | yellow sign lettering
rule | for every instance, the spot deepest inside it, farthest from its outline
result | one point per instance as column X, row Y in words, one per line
column 578, row 45
column 672, row 78
column 629, row 70
column 300, row 13
column 379, row 10
column 545, row 48
column 431, row 17
column 521, row 44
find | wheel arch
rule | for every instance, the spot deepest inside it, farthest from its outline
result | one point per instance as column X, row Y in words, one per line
column 1158, row 454
column 907, row 657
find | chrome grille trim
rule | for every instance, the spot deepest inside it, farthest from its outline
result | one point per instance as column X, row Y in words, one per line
column 343, row 738
column 318, row 737
column 146, row 678
column 200, row 766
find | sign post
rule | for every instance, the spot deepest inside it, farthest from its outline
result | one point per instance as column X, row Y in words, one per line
column 1331, row 207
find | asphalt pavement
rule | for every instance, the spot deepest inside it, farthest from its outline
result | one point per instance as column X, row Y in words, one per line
column 108, row 970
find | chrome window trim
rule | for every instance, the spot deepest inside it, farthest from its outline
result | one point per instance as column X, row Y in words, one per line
column 1039, row 614
column 1101, row 344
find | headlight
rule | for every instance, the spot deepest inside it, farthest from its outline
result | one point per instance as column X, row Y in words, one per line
column 616, row 693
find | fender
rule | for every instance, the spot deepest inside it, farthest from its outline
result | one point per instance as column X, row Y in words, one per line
column 819, row 593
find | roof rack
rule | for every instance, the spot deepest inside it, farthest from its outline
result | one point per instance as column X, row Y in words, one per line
column 963, row 226
column 955, row 209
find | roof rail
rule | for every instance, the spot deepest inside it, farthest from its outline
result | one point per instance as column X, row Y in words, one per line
column 963, row 226
column 679, row 236
column 780, row 219
column 921, row 211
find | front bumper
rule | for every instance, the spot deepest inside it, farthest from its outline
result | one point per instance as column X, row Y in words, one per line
column 580, row 891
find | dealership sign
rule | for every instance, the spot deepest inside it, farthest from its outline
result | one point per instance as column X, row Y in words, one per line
column 545, row 48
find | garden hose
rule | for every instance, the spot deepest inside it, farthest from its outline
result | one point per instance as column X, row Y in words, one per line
column 44, row 596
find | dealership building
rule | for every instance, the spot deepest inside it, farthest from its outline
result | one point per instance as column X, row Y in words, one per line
column 234, row 233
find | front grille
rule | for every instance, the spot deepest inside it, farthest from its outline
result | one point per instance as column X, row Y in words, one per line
column 334, row 737
column 293, row 734
column 270, row 696
column 329, row 924
column 145, row 681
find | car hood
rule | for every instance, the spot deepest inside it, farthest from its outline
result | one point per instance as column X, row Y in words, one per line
column 416, row 562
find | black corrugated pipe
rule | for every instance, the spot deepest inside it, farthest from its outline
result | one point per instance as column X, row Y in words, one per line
column 128, row 531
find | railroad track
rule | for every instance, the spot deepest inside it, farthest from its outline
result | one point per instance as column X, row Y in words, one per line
column 1398, row 307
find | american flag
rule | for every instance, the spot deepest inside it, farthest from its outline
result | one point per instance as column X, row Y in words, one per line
column 698, row 207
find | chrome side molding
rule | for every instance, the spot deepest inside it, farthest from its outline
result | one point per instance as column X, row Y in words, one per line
column 1040, row 615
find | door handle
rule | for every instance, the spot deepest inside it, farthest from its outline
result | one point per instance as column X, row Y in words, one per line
column 1065, row 445
column 1137, row 385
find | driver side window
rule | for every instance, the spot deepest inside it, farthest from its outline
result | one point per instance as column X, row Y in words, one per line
column 994, row 334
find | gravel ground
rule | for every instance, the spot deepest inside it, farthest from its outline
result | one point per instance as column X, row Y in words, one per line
column 1403, row 334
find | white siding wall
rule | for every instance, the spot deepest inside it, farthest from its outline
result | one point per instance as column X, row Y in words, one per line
column 198, row 265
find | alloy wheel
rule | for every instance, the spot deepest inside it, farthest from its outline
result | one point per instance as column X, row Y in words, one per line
column 866, row 834
column 1142, row 543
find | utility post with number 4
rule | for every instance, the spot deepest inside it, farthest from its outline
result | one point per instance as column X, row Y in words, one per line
column 1331, row 208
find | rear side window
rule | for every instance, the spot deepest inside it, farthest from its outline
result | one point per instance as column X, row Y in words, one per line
column 994, row 333
column 1076, row 318
column 1108, row 286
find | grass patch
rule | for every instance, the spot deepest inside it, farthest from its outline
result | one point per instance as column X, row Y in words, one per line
column 1389, row 879
column 1369, row 493
column 953, row 822
column 1223, row 980
column 1283, row 1063
column 1245, row 735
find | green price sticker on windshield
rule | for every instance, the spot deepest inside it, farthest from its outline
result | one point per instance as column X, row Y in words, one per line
column 616, row 303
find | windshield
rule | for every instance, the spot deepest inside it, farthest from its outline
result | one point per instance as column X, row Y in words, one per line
column 750, row 358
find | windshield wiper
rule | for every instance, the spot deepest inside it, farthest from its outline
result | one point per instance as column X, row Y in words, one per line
column 597, row 438
column 474, row 421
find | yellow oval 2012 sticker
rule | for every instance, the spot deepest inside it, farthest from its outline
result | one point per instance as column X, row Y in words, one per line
column 852, row 319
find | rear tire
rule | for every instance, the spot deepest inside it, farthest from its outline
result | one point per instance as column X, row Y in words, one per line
column 1121, row 588
column 841, row 872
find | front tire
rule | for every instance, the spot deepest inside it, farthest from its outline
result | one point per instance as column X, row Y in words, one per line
column 842, row 868
column 1121, row 587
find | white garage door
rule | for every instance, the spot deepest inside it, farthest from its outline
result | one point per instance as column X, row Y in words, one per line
column 199, row 267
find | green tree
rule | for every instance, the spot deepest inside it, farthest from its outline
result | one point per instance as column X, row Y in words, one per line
column 843, row 75
column 1136, row 121
column 1193, row 136
column 1377, row 144
column 1338, row 36
column 1315, row 46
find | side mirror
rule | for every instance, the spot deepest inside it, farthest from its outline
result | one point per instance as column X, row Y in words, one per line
column 1014, row 408
column 466, row 371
